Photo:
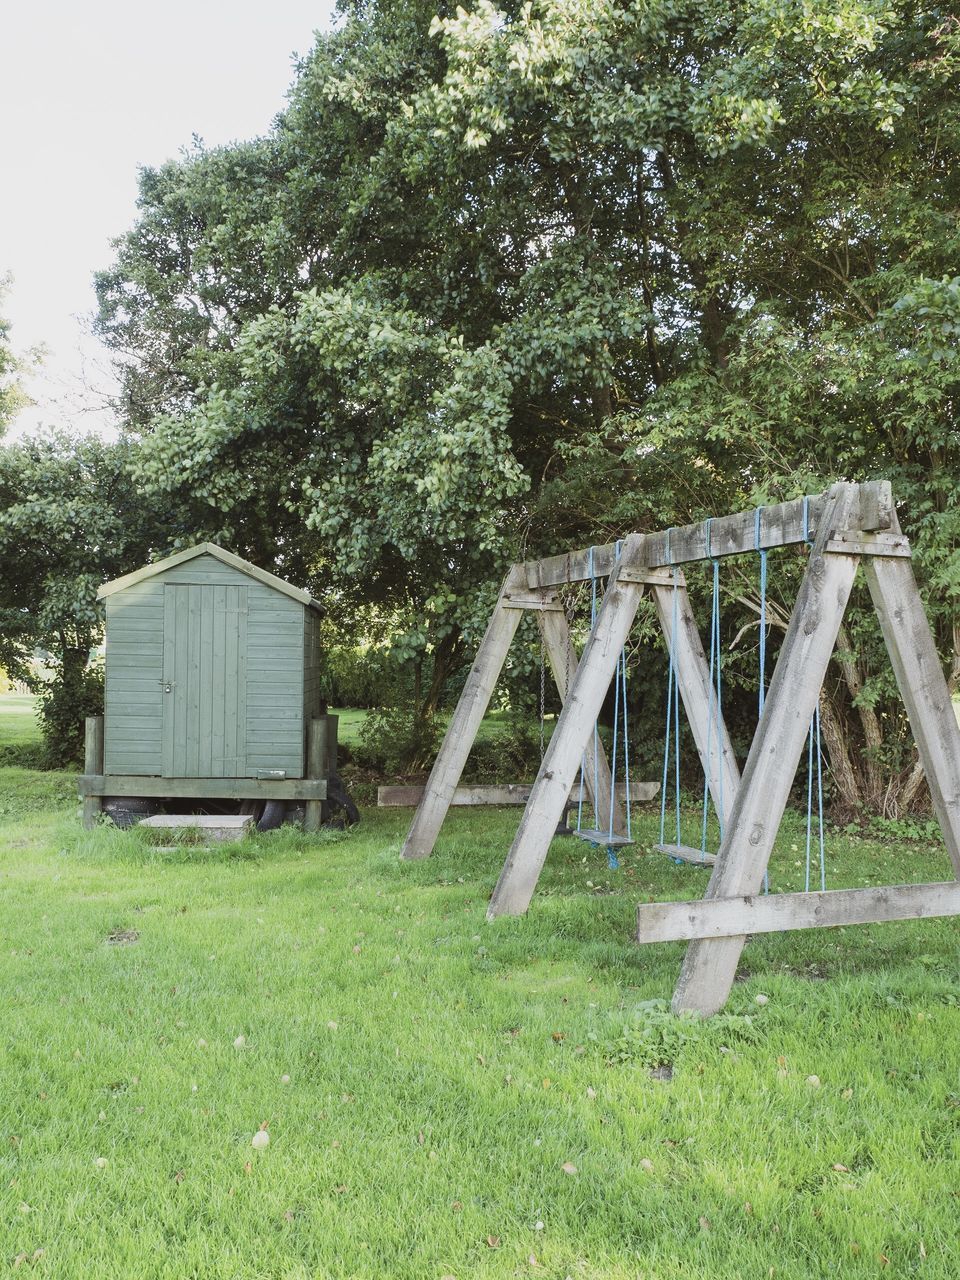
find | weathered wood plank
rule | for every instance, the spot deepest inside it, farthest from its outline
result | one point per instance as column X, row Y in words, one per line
column 686, row 853
column 203, row 788
column 560, row 764
column 717, row 758
column 316, row 768
column 504, row 793
column 871, row 509
column 710, row 965
column 777, row 912
column 916, row 665
column 562, row 657
column 92, row 763
column 464, row 724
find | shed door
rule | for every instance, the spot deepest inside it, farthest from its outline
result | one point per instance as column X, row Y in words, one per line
column 204, row 681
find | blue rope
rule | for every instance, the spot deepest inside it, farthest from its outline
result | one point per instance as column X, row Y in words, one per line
column 814, row 741
column 673, row 714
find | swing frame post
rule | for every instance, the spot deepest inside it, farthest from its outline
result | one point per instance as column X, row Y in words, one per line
column 563, row 660
column 698, row 695
column 565, row 752
column 849, row 525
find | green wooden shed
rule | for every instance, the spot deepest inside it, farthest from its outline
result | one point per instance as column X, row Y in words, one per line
column 212, row 683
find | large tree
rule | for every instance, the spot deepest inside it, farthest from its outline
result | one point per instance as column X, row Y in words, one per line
column 540, row 273
column 71, row 517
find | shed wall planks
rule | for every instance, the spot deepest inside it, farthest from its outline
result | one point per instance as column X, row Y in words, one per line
column 242, row 662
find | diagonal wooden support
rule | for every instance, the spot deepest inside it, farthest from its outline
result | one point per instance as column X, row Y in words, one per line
column 699, row 697
column 710, row 965
column 465, row 722
column 778, row 912
column 916, row 665
column 594, row 674
column 563, row 660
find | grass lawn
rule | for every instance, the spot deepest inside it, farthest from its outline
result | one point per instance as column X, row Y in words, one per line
column 445, row 1097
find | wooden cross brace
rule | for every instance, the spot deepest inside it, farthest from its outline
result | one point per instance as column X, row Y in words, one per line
column 719, row 925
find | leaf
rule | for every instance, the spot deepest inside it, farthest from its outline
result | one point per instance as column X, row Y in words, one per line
column 493, row 1242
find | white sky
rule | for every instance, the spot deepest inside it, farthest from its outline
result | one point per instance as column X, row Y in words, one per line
column 89, row 91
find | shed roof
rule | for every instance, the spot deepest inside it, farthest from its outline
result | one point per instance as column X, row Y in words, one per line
column 207, row 549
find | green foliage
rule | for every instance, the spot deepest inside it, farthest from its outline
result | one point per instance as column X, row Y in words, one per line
column 396, row 741
column 516, row 278
column 657, row 1037
column 72, row 692
column 12, row 397
column 71, row 518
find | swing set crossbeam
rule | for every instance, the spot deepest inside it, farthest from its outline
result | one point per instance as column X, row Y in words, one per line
column 784, row 524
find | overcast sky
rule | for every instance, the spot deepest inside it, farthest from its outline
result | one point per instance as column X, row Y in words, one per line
column 89, row 91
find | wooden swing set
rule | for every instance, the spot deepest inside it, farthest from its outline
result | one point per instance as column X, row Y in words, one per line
column 848, row 525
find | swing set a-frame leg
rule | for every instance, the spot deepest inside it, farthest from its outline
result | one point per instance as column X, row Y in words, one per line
column 916, row 665
column 699, row 698
column 710, row 965
column 592, row 679
column 563, row 661
column 464, row 723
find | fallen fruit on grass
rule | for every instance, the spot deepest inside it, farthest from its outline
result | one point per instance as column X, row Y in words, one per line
column 813, row 1082
column 284, row 1079
column 569, row 1167
column 761, row 999
column 260, row 1140
column 101, row 1162
column 240, row 1042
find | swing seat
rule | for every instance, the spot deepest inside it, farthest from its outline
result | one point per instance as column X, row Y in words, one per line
column 686, row 853
column 604, row 839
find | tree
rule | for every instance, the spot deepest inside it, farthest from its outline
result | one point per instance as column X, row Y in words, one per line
column 71, row 518
column 12, row 398
column 561, row 270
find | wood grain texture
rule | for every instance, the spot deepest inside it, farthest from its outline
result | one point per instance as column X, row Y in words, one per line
column 870, row 510
column 573, row 731
column 717, row 758
column 563, row 661
column 92, row 763
column 504, row 793
column 203, row 788
column 463, row 726
column 710, row 965
column 777, row 912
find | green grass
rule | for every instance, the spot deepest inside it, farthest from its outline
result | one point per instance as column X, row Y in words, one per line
column 442, row 1071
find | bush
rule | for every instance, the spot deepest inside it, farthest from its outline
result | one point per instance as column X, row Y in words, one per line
column 395, row 742
column 64, row 702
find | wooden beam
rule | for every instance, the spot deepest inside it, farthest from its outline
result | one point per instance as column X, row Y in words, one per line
column 504, row 793
column 203, row 788
column 92, row 763
column 916, row 665
column 778, row 912
column 710, row 965
column 870, row 510
column 562, row 657
column 317, row 767
column 463, row 726
column 573, row 731
column 719, row 763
